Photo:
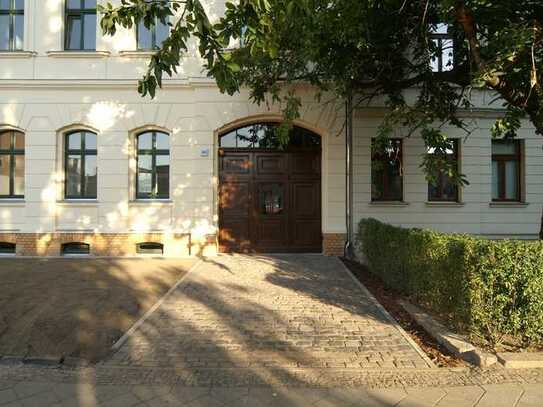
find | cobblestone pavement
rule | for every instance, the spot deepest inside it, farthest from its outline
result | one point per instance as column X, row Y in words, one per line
column 270, row 312
column 268, row 331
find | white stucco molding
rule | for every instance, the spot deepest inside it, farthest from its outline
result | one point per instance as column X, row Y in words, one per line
column 76, row 126
column 78, row 54
column 6, row 126
column 17, row 54
column 136, row 54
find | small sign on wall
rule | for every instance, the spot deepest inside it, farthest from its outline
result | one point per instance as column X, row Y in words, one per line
column 204, row 152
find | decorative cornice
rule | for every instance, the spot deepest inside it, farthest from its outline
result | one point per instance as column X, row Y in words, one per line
column 78, row 54
column 100, row 83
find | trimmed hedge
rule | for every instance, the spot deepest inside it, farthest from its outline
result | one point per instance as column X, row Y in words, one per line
column 486, row 288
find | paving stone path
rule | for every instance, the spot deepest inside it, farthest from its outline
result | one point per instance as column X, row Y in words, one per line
column 270, row 312
column 268, row 331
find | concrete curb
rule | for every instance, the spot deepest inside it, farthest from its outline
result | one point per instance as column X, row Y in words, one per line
column 389, row 317
column 120, row 342
column 454, row 343
column 525, row 360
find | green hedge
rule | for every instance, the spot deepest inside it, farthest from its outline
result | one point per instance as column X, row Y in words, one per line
column 487, row 288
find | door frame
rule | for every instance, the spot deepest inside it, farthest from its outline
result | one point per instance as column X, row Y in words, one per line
column 270, row 118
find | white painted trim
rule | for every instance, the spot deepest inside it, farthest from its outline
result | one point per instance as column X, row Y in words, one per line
column 78, row 54
column 389, row 317
column 116, row 346
column 16, row 54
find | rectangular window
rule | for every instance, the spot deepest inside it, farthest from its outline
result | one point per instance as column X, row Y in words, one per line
column 80, row 25
column 442, row 48
column 11, row 25
column 506, row 170
column 387, row 171
column 153, row 165
column 153, row 37
column 444, row 188
column 12, row 164
column 80, row 165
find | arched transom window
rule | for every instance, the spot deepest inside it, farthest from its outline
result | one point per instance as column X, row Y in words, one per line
column 264, row 136
column 153, row 165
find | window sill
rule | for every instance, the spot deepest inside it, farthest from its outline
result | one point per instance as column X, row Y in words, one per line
column 152, row 202
column 508, row 204
column 12, row 202
column 388, row 203
column 78, row 202
column 446, row 204
column 17, row 54
column 137, row 54
column 78, row 54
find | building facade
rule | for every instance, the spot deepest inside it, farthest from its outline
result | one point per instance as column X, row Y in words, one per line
column 87, row 164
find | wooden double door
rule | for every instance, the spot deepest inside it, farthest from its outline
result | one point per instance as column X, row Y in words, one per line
column 269, row 201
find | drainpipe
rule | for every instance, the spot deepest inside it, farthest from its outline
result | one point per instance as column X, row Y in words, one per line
column 348, row 250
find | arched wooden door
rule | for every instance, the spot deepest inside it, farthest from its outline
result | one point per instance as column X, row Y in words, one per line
column 269, row 198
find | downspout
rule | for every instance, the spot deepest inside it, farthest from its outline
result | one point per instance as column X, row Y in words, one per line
column 348, row 250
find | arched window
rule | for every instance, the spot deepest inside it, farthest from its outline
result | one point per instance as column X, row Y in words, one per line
column 80, row 165
column 12, row 164
column 150, row 248
column 264, row 136
column 153, row 165
column 75, row 249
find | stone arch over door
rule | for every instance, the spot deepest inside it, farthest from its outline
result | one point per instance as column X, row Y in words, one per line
column 269, row 196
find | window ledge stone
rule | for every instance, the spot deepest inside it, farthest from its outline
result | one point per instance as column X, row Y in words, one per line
column 78, row 54
column 508, row 204
column 78, row 202
column 137, row 53
column 152, row 202
column 388, row 203
column 12, row 202
column 446, row 204
column 17, row 54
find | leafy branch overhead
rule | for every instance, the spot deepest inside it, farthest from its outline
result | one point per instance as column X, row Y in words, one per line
column 370, row 50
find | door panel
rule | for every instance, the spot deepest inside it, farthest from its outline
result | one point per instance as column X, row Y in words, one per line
column 269, row 201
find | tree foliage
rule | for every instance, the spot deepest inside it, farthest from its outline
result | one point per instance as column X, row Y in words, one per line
column 366, row 50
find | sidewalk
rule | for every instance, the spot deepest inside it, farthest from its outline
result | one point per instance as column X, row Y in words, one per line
column 38, row 394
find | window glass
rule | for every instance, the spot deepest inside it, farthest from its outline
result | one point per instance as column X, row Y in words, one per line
column 19, row 4
column 149, row 248
column 75, row 249
column 162, row 141
column 12, row 164
column 511, row 180
column 503, row 148
column 89, row 4
column 153, row 175
column 443, row 187
column 90, row 175
column 162, row 32
column 386, row 171
column 145, row 177
column 90, row 141
column 74, row 141
column 506, row 159
column 271, row 199
column 145, row 37
column 19, row 142
column 4, row 174
column 73, row 30
column 264, row 135
column 4, row 32
column 495, row 180
column 5, row 140
column 7, row 248
column 73, row 173
column 4, row 5
column 89, row 34
column 145, row 141
column 19, row 175
column 152, row 37
column 73, row 4
column 163, row 175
